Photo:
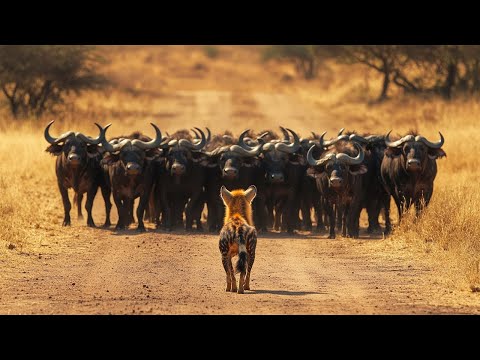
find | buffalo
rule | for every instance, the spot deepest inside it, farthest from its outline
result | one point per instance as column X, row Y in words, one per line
column 78, row 167
column 409, row 169
column 338, row 177
column 130, row 169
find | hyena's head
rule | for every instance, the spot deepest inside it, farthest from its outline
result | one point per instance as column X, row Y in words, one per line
column 238, row 202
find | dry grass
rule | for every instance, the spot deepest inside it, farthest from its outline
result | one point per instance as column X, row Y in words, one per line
column 177, row 87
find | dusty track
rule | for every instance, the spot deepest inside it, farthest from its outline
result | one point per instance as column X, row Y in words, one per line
column 95, row 271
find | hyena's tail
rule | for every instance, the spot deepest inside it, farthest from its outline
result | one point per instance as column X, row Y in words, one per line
column 242, row 252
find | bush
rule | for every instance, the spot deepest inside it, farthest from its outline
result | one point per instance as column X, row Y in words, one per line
column 35, row 79
column 211, row 52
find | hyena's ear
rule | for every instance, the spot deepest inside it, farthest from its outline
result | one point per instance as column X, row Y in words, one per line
column 250, row 193
column 225, row 195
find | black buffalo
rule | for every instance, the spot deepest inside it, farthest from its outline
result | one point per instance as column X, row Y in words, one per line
column 78, row 167
column 130, row 170
column 408, row 170
column 181, row 188
column 339, row 179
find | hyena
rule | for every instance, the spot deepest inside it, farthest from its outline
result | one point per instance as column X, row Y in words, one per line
column 238, row 236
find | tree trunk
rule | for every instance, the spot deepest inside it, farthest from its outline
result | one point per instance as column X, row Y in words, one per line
column 450, row 81
column 310, row 69
column 476, row 76
column 386, row 83
column 13, row 101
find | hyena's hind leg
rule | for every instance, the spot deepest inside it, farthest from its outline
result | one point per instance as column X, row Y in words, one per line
column 251, row 245
column 227, row 265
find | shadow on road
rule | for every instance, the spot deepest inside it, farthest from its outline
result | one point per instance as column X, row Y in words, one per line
column 285, row 292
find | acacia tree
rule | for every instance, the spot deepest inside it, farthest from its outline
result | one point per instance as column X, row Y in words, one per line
column 386, row 59
column 35, row 79
column 306, row 58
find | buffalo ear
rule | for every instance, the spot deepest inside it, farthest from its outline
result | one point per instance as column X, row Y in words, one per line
column 436, row 153
column 358, row 169
column 55, row 149
column 150, row 154
column 393, row 152
column 92, row 151
column 110, row 159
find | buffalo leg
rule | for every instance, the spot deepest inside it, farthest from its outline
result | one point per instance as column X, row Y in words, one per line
column 344, row 216
column 386, row 206
column 108, row 204
column 89, row 204
column 306, row 215
column 353, row 218
column 318, row 205
column 339, row 220
column 66, row 204
column 122, row 212
column 79, row 206
column 143, row 203
column 331, row 216
column 190, row 210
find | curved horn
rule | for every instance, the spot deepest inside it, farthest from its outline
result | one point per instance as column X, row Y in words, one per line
column 241, row 141
column 286, row 137
column 341, row 132
column 399, row 142
column 311, row 160
column 197, row 135
column 217, row 151
column 197, row 146
column 375, row 138
column 91, row 141
column 263, row 135
column 53, row 140
column 250, row 153
column 334, row 141
column 348, row 160
column 46, row 133
column 209, row 135
column 431, row 145
column 290, row 149
column 105, row 144
column 359, row 139
column 150, row 144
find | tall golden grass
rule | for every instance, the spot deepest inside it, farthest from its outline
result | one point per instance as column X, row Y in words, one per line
column 167, row 86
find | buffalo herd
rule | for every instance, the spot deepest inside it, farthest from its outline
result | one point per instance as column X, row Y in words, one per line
column 175, row 176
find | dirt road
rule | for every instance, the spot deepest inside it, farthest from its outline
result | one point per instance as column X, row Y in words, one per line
column 79, row 270
column 95, row 271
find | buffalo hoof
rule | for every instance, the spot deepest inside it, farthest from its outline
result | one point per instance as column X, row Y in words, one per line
column 141, row 229
column 91, row 224
column 106, row 225
column 246, row 287
column 120, row 227
column 66, row 223
column 320, row 229
column 331, row 236
column 240, row 291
